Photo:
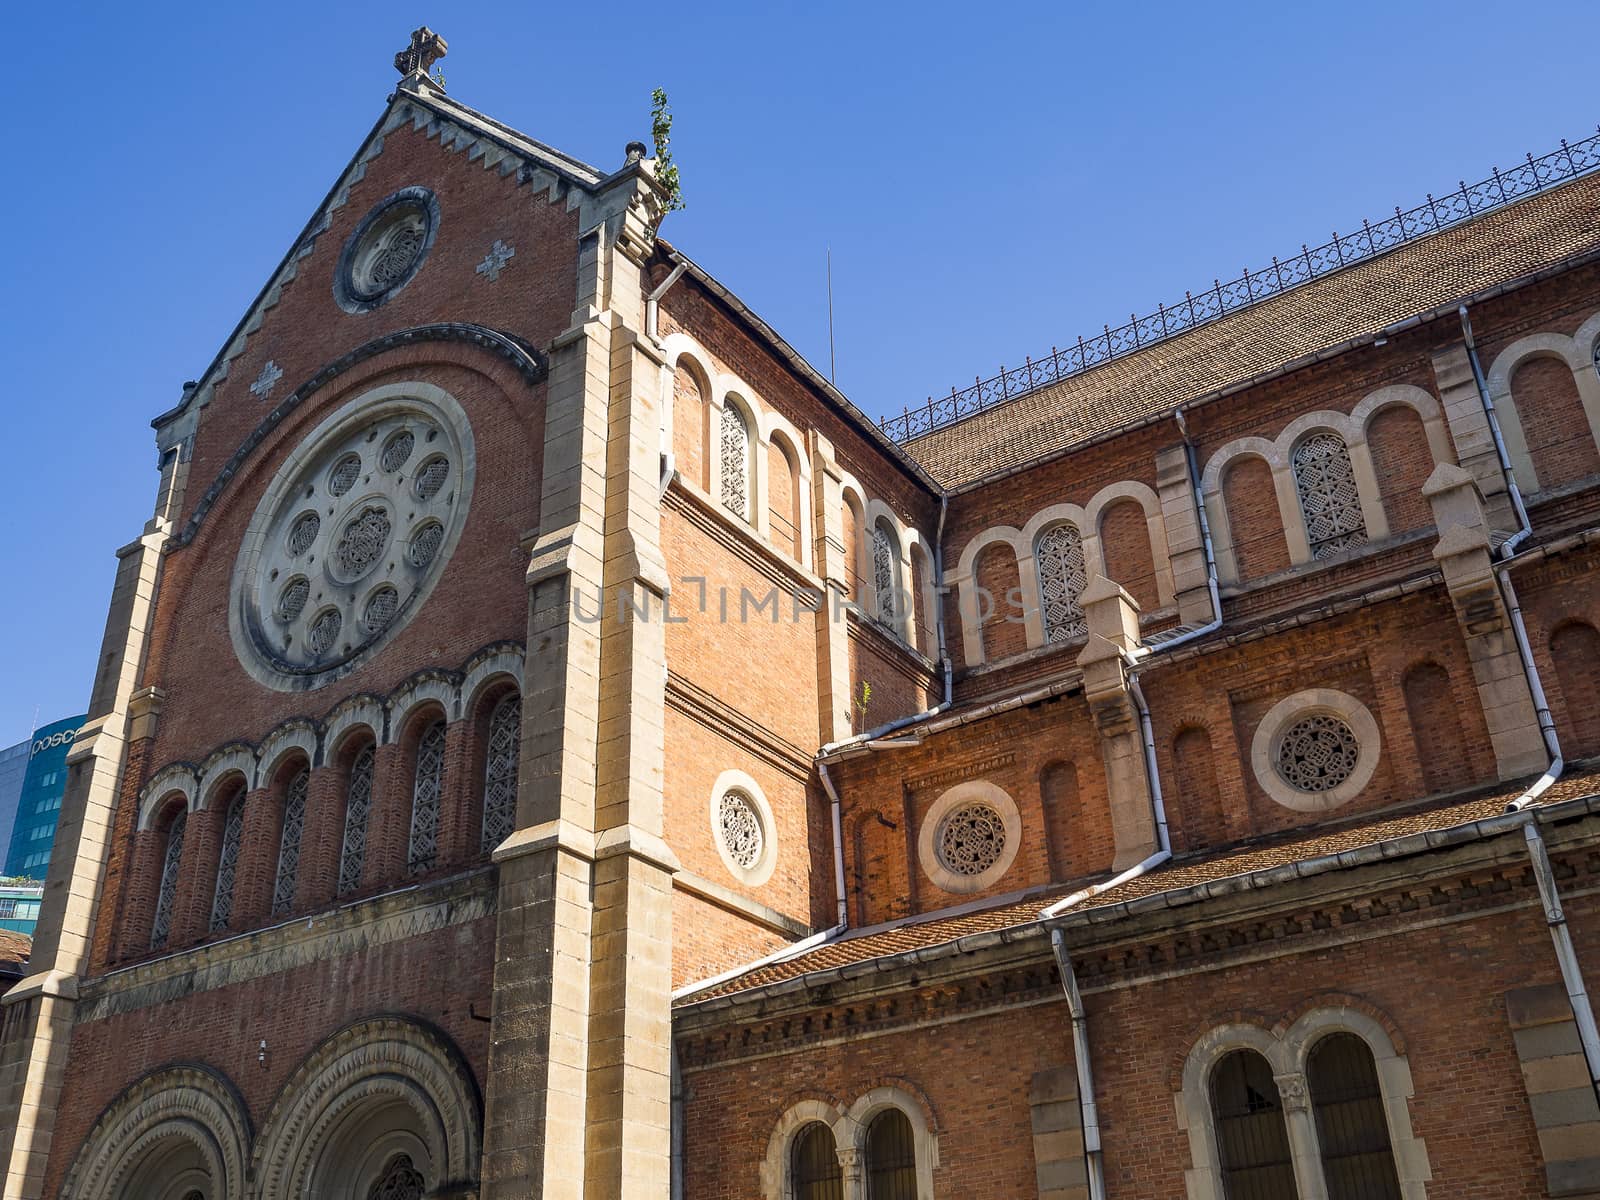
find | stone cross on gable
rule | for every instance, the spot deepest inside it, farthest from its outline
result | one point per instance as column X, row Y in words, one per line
column 426, row 48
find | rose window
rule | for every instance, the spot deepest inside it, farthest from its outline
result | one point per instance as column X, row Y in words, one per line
column 349, row 537
column 740, row 827
column 972, row 839
column 1317, row 753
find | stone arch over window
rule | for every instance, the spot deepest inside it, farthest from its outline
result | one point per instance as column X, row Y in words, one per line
column 691, row 408
column 735, row 460
column 894, row 1143
column 1137, row 531
column 176, row 779
column 780, row 1178
column 1062, row 570
column 1575, row 653
column 814, row 1171
column 1253, row 1155
column 1546, row 391
column 1198, row 1108
column 1197, row 802
column 785, row 497
column 994, row 605
column 176, row 1132
column 1059, row 803
column 1434, row 714
column 374, row 1091
column 1330, row 502
column 1406, row 437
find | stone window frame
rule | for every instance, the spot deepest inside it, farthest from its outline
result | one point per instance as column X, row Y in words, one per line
column 849, row 1127
column 344, row 295
column 969, row 791
column 1309, row 702
column 736, row 780
column 1288, row 1051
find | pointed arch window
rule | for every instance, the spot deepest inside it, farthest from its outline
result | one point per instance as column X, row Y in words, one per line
column 227, row 865
column 814, row 1165
column 500, row 772
column 1062, row 578
column 427, row 785
column 735, row 447
column 167, row 892
column 1352, row 1129
column 886, row 578
column 1329, row 501
column 294, row 824
column 891, row 1157
column 357, row 804
column 1252, row 1139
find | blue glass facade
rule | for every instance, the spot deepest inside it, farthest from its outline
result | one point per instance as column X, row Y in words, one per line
column 39, row 805
column 13, row 770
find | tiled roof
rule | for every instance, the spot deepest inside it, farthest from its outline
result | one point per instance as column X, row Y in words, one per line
column 1263, row 854
column 14, row 948
column 1442, row 269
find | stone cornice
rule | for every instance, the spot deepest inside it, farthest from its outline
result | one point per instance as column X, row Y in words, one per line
column 726, row 721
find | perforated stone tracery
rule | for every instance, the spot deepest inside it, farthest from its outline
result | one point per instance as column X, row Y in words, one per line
column 740, row 826
column 304, row 532
column 1062, row 578
column 972, row 839
column 1329, row 500
column 344, row 474
column 397, row 451
column 735, row 457
column 362, row 542
column 425, row 543
column 431, row 476
column 381, row 607
column 399, row 1181
column 1317, row 753
column 325, row 631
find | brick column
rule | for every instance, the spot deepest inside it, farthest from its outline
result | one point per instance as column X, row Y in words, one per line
column 1560, row 1092
column 1464, row 554
column 1185, row 545
column 321, row 840
column 389, row 818
column 1113, row 621
column 460, row 828
column 258, row 859
column 197, row 877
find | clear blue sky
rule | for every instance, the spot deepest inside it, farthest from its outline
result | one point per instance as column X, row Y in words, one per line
column 993, row 178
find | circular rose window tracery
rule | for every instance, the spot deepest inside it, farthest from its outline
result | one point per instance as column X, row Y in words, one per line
column 972, row 839
column 1318, row 753
column 741, row 828
column 347, row 542
column 386, row 249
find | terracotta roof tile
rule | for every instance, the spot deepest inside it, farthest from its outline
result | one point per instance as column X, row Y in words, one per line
column 1259, row 855
column 1540, row 231
column 14, row 947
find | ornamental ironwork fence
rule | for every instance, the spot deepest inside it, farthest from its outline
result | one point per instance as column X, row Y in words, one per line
column 1196, row 309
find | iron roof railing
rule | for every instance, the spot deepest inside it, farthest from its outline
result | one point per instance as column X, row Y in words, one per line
column 1313, row 262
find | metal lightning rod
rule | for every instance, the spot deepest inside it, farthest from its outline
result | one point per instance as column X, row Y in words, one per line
column 833, row 369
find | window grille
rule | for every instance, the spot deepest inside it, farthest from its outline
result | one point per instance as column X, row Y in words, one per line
column 1252, row 1139
column 168, row 891
column 294, row 824
column 885, row 573
column 1328, row 497
column 891, row 1157
column 1062, row 578
column 400, row 1181
column 815, row 1166
column 1318, row 753
column 357, row 803
column 735, row 462
column 972, row 839
column 739, row 825
column 500, row 772
column 1357, row 1161
column 227, row 865
column 426, row 788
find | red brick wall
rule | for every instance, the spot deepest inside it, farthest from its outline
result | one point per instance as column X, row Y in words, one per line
column 689, row 409
column 1553, row 423
column 1402, row 462
column 1000, row 610
column 783, row 501
column 1125, row 543
column 708, row 940
column 1575, row 650
column 1255, row 521
column 1193, row 801
column 1433, row 708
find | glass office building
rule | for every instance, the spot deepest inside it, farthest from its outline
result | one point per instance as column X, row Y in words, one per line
column 39, row 803
column 13, row 769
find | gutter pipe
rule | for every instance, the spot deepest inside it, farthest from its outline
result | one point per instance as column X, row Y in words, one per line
column 1538, row 853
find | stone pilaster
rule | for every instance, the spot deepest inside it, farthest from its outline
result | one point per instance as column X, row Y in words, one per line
column 1113, row 620
column 1185, row 545
column 1561, row 1095
column 1470, row 431
column 1464, row 553
column 38, row 1011
column 833, row 648
column 1059, row 1165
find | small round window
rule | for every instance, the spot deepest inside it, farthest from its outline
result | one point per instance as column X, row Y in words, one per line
column 1315, row 750
column 742, row 828
column 387, row 249
column 969, row 837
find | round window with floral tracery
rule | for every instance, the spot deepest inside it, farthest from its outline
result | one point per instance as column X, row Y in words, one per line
column 741, row 828
column 386, row 249
column 971, row 839
column 1317, row 753
column 347, row 539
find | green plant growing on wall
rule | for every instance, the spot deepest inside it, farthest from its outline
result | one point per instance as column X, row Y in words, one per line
column 863, row 698
column 661, row 134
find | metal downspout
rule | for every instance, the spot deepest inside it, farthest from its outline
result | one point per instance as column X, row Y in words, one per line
column 1085, row 1072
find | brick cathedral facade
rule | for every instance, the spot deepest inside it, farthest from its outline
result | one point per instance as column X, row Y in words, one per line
column 548, row 742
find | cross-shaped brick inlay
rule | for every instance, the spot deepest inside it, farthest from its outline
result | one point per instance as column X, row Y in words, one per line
column 270, row 374
column 495, row 261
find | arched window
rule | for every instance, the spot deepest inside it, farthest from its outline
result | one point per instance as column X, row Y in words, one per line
column 1357, row 1161
column 427, row 784
column 886, row 579
column 735, row 445
column 167, row 892
column 891, row 1167
column 1328, row 497
column 227, row 865
column 1252, row 1140
column 814, row 1165
column 357, row 804
column 294, row 824
column 400, row 1181
column 500, row 772
column 1062, row 578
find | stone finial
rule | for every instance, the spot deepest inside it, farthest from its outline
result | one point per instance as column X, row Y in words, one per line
column 634, row 151
column 426, row 48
